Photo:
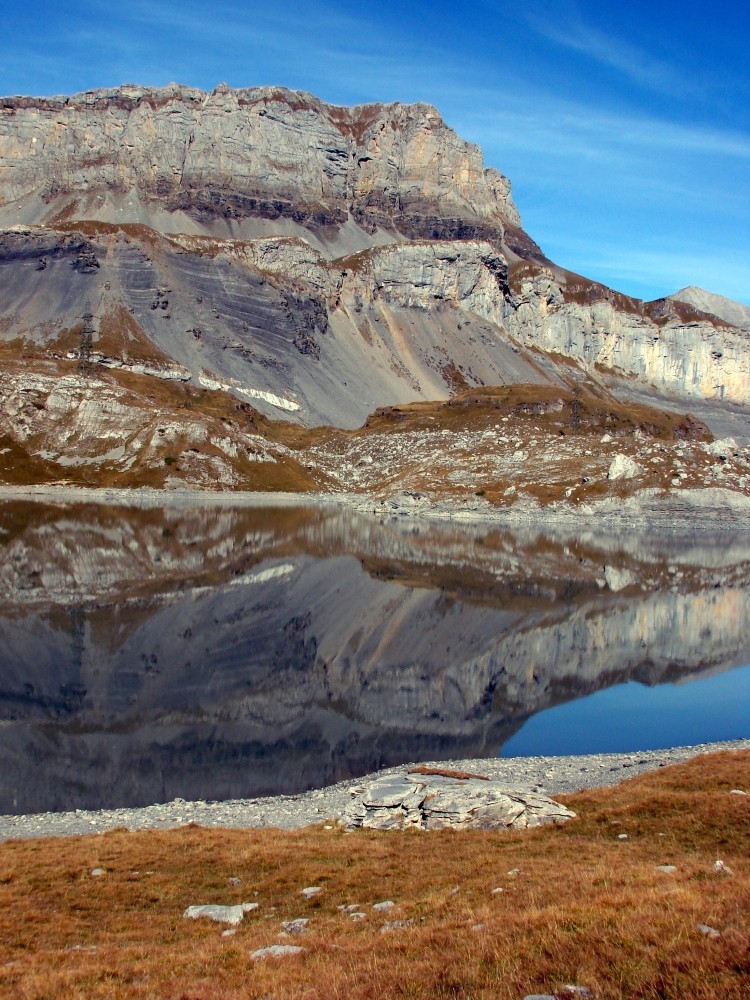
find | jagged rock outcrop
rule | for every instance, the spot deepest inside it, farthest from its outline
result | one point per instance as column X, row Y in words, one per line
column 426, row 799
column 91, row 431
column 468, row 275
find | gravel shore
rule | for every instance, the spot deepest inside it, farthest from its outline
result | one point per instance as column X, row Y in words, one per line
column 687, row 511
column 551, row 775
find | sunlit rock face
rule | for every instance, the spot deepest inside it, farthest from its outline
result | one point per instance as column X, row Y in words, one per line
column 216, row 654
column 700, row 356
column 718, row 305
column 314, row 262
column 278, row 325
column 196, row 161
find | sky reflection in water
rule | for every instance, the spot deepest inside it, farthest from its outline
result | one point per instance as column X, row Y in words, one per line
column 632, row 716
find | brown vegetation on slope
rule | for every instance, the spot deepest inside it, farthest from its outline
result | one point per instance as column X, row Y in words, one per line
column 546, row 408
column 172, row 433
column 582, row 904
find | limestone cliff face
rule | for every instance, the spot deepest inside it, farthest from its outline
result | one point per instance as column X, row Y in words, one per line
column 680, row 350
column 179, row 155
column 323, row 261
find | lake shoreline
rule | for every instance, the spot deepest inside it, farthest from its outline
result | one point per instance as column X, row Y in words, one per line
column 712, row 509
column 551, row 775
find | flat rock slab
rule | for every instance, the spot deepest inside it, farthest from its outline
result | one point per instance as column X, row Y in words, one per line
column 276, row 951
column 221, row 914
column 438, row 800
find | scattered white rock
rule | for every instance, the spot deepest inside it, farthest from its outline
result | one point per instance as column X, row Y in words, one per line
column 298, row 926
column 710, row 932
column 394, row 925
column 383, row 907
column 618, row 579
column 97, row 872
column 564, row 991
column 666, row 868
column 737, row 791
column 623, row 467
column 311, row 890
column 276, row 951
column 722, row 448
column 221, row 914
column 721, row 869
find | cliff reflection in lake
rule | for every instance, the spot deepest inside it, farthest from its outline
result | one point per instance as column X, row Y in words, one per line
column 232, row 652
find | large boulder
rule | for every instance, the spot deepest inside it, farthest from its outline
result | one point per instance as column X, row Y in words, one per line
column 432, row 800
column 623, row 467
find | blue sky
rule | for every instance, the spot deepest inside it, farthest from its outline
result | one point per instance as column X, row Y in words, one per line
column 625, row 128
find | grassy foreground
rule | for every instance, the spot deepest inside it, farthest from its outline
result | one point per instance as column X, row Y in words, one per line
column 580, row 904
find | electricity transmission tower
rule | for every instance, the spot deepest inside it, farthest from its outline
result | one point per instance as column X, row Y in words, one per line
column 85, row 365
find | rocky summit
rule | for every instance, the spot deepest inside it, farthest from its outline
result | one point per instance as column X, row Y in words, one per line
column 201, row 288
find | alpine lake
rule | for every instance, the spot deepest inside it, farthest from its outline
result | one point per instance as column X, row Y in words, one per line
column 228, row 652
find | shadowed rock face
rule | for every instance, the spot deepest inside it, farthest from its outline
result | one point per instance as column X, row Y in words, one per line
column 219, row 654
column 296, row 336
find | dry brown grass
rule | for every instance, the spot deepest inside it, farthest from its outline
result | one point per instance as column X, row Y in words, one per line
column 541, row 408
column 585, row 906
column 221, row 413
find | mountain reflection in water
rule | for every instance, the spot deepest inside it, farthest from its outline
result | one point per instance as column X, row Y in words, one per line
column 232, row 652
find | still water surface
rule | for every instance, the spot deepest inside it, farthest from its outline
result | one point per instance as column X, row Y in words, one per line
column 217, row 653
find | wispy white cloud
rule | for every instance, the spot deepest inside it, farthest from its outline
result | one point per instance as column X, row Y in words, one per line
column 664, row 269
column 561, row 129
column 614, row 52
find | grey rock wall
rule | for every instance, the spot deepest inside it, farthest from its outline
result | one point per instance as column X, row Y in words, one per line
column 329, row 260
column 218, row 158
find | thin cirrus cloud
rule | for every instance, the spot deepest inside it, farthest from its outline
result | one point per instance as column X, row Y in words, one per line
column 568, row 129
column 614, row 53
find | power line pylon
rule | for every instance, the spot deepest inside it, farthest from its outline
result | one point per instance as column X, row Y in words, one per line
column 85, row 365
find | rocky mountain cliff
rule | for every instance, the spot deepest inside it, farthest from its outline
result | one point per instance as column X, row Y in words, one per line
column 248, row 162
column 309, row 261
